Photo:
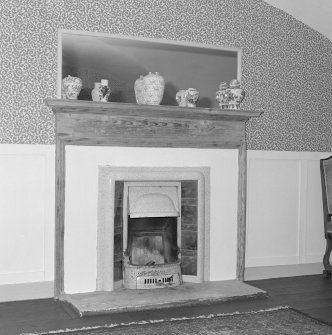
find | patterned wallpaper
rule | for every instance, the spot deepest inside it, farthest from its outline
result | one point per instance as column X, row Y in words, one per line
column 286, row 69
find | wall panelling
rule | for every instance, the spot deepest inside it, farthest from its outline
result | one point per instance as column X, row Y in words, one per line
column 284, row 209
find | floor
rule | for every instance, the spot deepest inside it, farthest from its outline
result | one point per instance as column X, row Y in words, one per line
column 309, row 294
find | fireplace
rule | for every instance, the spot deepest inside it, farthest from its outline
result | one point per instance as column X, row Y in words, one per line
column 159, row 223
column 101, row 145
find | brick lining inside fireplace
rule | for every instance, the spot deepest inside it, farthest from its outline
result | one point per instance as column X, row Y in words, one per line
column 189, row 229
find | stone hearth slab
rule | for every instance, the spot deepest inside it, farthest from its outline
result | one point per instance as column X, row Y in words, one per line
column 122, row 300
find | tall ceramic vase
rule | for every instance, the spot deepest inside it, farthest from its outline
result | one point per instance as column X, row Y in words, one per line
column 149, row 89
column 139, row 90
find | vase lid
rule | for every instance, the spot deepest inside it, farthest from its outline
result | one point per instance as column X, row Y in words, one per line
column 223, row 85
column 234, row 83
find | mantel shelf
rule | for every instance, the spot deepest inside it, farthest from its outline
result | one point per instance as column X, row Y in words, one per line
column 81, row 122
column 148, row 111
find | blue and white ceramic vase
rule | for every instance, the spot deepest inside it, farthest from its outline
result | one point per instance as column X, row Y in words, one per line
column 104, row 90
column 95, row 92
column 180, row 98
column 149, row 89
column 191, row 97
column 71, row 87
column 187, row 98
column 223, row 95
column 139, row 90
column 237, row 94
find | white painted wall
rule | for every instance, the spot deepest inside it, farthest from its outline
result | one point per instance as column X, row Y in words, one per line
column 26, row 213
column 81, row 205
column 317, row 14
column 284, row 212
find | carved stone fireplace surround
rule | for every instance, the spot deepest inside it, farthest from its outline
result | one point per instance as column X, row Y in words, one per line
column 120, row 124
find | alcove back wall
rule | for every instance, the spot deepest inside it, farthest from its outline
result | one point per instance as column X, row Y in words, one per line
column 286, row 68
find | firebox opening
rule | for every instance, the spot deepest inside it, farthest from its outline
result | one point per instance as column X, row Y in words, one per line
column 182, row 205
column 152, row 241
column 152, row 234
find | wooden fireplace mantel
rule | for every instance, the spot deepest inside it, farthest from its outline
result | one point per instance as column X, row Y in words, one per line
column 123, row 124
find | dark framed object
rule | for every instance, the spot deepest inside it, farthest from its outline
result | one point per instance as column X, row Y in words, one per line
column 326, row 178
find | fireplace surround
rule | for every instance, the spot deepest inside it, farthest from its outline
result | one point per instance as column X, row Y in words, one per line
column 87, row 123
column 189, row 211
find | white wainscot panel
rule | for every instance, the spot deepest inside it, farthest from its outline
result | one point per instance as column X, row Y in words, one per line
column 284, row 208
column 272, row 212
column 27, row 213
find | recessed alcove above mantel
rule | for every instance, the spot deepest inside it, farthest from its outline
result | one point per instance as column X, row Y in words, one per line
column 126, row 125
column 123, row 59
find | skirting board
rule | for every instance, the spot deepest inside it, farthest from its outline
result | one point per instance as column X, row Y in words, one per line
column 27, row 291
column 266, row 272
column 42, row 290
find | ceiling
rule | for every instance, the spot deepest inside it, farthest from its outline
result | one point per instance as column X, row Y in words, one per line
column 317, row 14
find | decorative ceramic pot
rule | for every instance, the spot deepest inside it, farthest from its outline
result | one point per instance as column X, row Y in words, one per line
column 95, row 92
column 149, row 89
column 104, row 90
column 191, row 97
column 71, row 87
column 237, row 94
column 139, row 90
column 180, row 98
column 223, row 95
column 187, row 98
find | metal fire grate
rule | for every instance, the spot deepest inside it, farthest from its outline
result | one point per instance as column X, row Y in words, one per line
column 160, row 281
column 151, row 276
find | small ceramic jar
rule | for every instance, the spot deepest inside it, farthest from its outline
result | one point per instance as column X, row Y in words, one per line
column 71, row 87
column 191, row 97
column 223, row 95
column 95, row 92
column 187, row 98
column 104, row 90
column 237, row 94
column 180, row 98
